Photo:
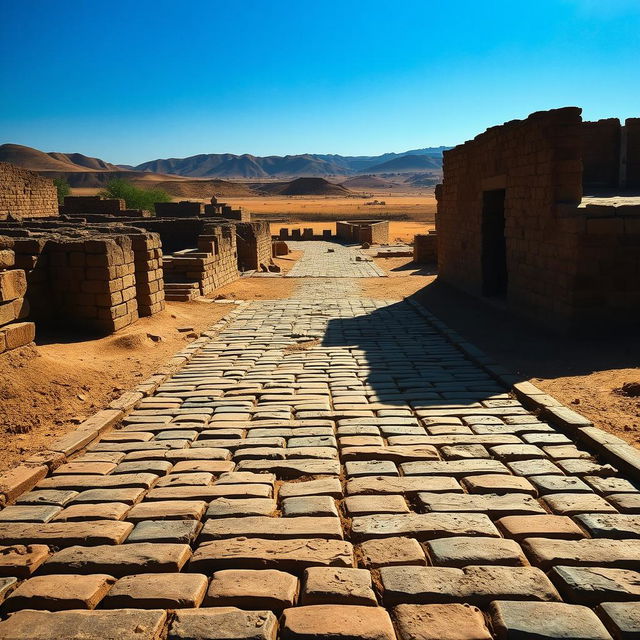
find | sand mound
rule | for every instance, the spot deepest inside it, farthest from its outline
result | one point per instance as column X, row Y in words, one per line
column 130, row 342
column 311, row 187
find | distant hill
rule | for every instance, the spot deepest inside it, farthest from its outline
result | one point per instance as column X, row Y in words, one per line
column 368, row 182
column 228, row 165
column 409, row 163
column 303, row 187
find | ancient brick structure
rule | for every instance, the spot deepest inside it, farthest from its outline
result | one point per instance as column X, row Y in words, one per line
column 94, row 207
column 425, row 248
column 513, row 223
column 224, row 210
column 25, row 193
column 254, row 246
column 183, row 209
column 147, row 257
column 13, row 306
column 360, row 231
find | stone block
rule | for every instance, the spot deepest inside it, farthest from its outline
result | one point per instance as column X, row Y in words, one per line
column 336, row 585
column 222, row 622
column 387, row 552
column 440, row 622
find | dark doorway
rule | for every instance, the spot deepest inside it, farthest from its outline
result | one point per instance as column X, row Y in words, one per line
column 494, row 247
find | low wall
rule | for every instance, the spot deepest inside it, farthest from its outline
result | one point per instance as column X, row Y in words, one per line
column 425, row 248
column 26, row 194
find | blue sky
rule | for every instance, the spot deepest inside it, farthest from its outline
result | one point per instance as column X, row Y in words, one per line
column 130, row 81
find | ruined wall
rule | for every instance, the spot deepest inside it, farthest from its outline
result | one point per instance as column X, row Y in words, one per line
column 538, row 163
column 425, row 248
column 149, row 277
column 632, row 126
column 92, row 205
column 253, row 245
column 24, row 193
column 601, row 153
column 13, row 306
column 359, row 231
column 183, row 209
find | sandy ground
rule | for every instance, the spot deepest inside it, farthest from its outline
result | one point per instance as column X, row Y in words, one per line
column 46, row 390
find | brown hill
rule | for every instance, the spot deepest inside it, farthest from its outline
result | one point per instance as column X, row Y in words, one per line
column 368, row 182
column 196, row 189
column 35, row 160
column 304, row 187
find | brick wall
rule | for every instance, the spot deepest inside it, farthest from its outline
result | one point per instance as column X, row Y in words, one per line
column 24, row 193
column 147, row 257
column 92, row 205
column 184, row 209
column 632, row 126
column 254, row 245
column 359, row 231
column 425, row 248
column 601, row 153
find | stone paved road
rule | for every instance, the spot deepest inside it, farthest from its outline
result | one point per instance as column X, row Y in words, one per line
column 332, row 260
column 325, row 469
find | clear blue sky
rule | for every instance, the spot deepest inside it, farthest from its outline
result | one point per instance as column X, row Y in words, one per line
column 134, row 80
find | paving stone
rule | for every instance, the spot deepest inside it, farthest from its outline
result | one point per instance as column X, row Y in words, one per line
column 605, row 486
column 157, row 590
column 610, row 525
column 21, row 560
column 52, row 497
column 371, row 468
column 336, row 585
column 177, row 531
column 223, row 623
column 121, row 481
column 514, row 452
column 246, row 477
column 391, row 453
column 593, row 585
column 498, row 484
column 559, row 484
column 339, row 622
column 309, row 506
column 119, row 560
column 600, row 552
column 211, row 492
column 495, row 505
column 440, row 622
column 59, row 592
column 185, row 479
column 323, row 487
column 386, row 552
column 93, row 496
column 271, row 528
column 625, row 502
column 384, row 485
column 158, row 467
column 545, row 620
column 569, row 504
column 234, row 507
column 252, row 589
column 586, row 468
column 29, row 513
column 101, row 468
column 7, row 585
column 292, row 556
column 103, row 511
column 548, row 526
column 208, row 466
column 285, row 469
column 125, row 624
column 368, row 505
column 167, row 510
column 453, row 468
column 530, row 468
column 476, row 585
column 465, row 452
column 622, row 619
column 422, row 526
column 64, row 534
column 463, row 551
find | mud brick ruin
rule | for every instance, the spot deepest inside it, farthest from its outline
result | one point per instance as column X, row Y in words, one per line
column 361, row 231
column 425, row 248
column 99, row 266
column 541, row 214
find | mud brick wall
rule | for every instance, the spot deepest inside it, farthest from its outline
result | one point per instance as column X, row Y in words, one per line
column 538, row 163
column 25, row 193
column 33, row 259
column 212, row 265
column 93, row 282
column 425, row 248
column 149, row 278
column 373, row 232
column 601, row 153
column 182, row 209
column 13, row 306
column 632, row 126
column 93, row 205
column 253, row 241
column 225, row 211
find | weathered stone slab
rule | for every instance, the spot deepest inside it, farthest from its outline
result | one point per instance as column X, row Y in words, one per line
column 176, row 531
column 124, row 624
column 521, row 527
column 167, row 510
column 477, row 585
column 618, row 525
column 453, row 468
column 64, row 534
column 119, row 560
column 323, row 487
column 383, row 485
column 338, row 622
column 285, row 469
column 423, row 526
column 622, row 619
column 593, row 585
column 545, row 620
column 440, row 622
column 271, row 528
column 596, row 552
column 22, row 560
column 292, row 556
column 223, row 622
column 464, row 551
column 337, row 585
column 494, row 505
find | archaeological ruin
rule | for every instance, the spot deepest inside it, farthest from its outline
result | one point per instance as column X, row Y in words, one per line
column 543, row 215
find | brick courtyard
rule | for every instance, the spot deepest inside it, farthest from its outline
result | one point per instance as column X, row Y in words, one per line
column 326, row 466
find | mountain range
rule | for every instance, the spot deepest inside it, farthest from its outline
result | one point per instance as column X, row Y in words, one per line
column 228, row 165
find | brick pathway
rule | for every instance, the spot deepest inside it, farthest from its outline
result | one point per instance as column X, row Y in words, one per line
column 332, row 260
column 325, row 469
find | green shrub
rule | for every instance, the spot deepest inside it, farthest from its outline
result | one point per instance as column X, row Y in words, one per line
column 63, row 189
column 134, row 197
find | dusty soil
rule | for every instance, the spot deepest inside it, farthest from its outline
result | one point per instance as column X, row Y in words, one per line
column 583, row 373
column 46, row 390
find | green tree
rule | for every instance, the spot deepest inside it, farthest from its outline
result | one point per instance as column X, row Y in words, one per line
column 134, row 197
column 63, row 189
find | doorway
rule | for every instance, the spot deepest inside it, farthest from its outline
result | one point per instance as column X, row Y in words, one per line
column 494, row 246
